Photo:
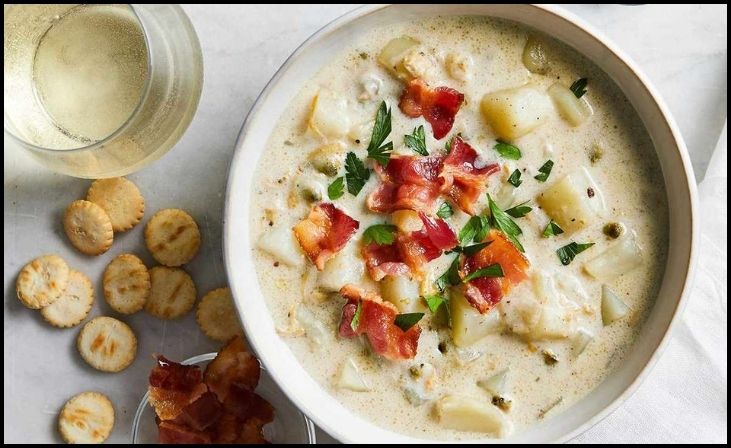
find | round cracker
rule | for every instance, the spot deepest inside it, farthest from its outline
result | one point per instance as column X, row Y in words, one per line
column 41, row 282
column 86, row 418
column 172, row 293
column 121, row 199
column 88, row 227
column 126, row 284
column 172, row 237
column 74, row 303
column 107, row 344
column 217, row 316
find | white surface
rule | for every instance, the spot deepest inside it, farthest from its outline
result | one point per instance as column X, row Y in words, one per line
column 682, row 49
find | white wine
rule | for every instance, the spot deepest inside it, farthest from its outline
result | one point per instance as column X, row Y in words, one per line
column 99, row 90
column 89, row 70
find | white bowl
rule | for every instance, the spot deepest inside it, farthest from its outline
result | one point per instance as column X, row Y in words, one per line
column 315, row 401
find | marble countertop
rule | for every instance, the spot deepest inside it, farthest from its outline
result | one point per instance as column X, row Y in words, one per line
column 682, row 48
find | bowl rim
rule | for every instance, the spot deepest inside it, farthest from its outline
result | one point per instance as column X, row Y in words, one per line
column 684, row 161
column 143, row 406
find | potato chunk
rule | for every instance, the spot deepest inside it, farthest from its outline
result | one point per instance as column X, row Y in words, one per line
column 512, row 113
column 470, row 414
column 573, row 201
column 345, row 267
column 281, row 244
column 402, row 292
column 393, row 54
column 468, row 325
column 329, row 117
column 572, row 109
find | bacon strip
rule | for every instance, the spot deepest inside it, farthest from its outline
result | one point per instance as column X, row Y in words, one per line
column 408, row 183
column 173, row 387
column 377, row 323
column 384, row 260
column 438, row 106
column 461, row 178
column 486, row 292
column 324, row 232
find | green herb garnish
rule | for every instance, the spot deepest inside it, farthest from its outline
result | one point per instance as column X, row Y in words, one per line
column 494, row 270
column 514, row 178
column 336, row 189
column 507, row 150
column 552, row 229
column 544, row 171
column 475, row 230
column 377, row 149
column 473, row 249
column 381, row 234
column 519, row 210
column 579, row 87
column 445, row 211
column 505, row 224
column 356, row 174
column 567, row 253
column 355, row 322
column 434, row 302
column 450, row 277
column 448, row 143
column 407, row 320
column 417, row 141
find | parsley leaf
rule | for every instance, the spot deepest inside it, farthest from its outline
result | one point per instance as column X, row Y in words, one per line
column 475, row 230
column 473, row 249
column 407, row 320
column 507, row 150
column 579, row 87
column 448, row 143
column 567, row 253
column 505, row 224
column 494, row 270
column 356, row 174
column 434, row 302
column 552, row 229
column 355, row 322
column 445, row 211
column 382, row 234
column 451, row 277
column 514, row 178
column 417, row 141
column 519, row 210
column 336, row 189
column 544, row 171
column 377, row 150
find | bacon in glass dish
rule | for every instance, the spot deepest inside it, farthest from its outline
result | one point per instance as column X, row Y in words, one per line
column 376, row 320
column 218, row 406
column 438, row 106
column 324, row 232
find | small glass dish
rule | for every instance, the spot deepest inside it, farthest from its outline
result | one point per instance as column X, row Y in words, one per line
column 290, row 426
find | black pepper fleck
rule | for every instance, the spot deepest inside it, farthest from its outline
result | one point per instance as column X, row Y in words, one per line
column 590, row 192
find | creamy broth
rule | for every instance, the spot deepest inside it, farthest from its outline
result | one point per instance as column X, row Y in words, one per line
column 627, row 177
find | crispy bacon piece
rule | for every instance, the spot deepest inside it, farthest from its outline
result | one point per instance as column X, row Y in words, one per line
column 233, row 366
column 485, row 292
column 410, row 251
column 172, row 433
column 438, row 106
column 408, row 183
column 201, row 413
column 384, row 260
column 461, row 178
column 173, row 387
column 377, row 322
column 223, row 409
column 389, row 197
column 324, row 232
